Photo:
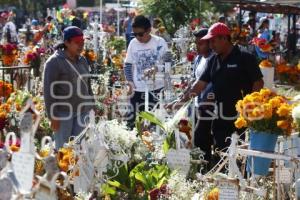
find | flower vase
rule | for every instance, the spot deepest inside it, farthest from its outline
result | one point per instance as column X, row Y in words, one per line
column 268, row 76
column 261, row 141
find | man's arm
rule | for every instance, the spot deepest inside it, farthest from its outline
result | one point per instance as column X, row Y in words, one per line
column 197, row 87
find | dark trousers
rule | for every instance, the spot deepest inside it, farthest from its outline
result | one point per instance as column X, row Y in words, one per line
column 223, row 129
column 203, row 136
column 138, row 104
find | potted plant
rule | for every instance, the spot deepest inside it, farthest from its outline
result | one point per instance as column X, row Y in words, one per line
column 267, row 115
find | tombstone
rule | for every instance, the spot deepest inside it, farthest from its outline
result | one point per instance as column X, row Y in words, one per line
column 23, row 161
column 179, row 159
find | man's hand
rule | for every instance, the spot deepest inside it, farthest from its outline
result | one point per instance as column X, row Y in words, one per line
column 55, row 124
column 175, row 105
column 150, row 72
column 131, row 88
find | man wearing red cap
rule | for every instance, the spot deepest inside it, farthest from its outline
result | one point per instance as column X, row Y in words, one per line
column 233, row 74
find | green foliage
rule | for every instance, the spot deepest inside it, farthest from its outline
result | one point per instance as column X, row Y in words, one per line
column 268, row 125
column 142, row 116
column 179, row 12
column 117, row 44
column 144, row 174
column 169, row 142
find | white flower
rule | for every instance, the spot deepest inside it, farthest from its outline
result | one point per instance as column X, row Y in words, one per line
column 181, row 188
column 117, row 135
column 296, row 112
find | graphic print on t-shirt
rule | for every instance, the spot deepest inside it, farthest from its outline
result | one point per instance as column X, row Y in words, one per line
column 145, row 59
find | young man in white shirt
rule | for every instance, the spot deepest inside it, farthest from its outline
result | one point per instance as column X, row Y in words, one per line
column 204, row 102
column 144, row 54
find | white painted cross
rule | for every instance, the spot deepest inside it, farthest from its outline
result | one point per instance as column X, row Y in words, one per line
column 23, row 161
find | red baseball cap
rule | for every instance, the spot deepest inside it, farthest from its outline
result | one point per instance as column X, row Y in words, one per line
column 215, row 30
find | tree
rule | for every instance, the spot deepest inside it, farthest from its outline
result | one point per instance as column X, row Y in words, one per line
column 178, row 12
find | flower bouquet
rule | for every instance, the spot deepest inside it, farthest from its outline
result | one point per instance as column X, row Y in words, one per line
column 262, row 44
column 287, row 73
column 9, row 54
column 90, row 55
column 265, row 111
column 33, row 59
column 267, row 115
column 5, row 89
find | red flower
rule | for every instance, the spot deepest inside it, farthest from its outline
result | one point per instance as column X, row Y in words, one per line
column 41, row 50
column 157, row 192
column 191, row 56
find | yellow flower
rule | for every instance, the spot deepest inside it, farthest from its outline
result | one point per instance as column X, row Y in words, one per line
column 213, row 194
column 239, row 106
column 275, row 102
column 240, row 123
column 44, row 152
column 257, row 112
column 265, row 92
column 268, row 110
column 283, row 124
column 63, row 166
column 14, row 148
column 284, row 110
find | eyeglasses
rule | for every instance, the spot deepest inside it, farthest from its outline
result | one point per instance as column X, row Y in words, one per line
column 141, row 34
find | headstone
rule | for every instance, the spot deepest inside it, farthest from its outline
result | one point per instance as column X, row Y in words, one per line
column 23, row 167
column 179, row 160
column 228, row 190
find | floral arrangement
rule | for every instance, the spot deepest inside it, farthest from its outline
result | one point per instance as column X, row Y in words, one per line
column 180, row 188
column 262, row 44
column 5, row 89
column 265, row 63
column 33, row 59
column 213, row 194
column 296, row 116
column 118, row 61
column 195, row 23
column 238, row 34
column 265, row 111
column 65, row 158
column 116, row 44
column 9, row 54
column 191, row 55
column 90, row 55
column 287, row 73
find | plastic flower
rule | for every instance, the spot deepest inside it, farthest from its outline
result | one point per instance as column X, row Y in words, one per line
column 240, row 123
column 265, row 111
column 284, row 110
column 283, row 124
column 265, row 63
column 213, row 194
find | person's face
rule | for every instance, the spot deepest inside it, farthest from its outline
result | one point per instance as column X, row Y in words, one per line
column 141, row 34
column 266, row 24
column 202, row 46
column 75, row 45
column 218, row 43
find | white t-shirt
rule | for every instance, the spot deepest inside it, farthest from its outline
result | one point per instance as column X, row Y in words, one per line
column 199, row 71
column 144, row 56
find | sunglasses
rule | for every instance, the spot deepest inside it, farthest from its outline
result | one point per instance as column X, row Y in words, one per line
column 141, row 34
